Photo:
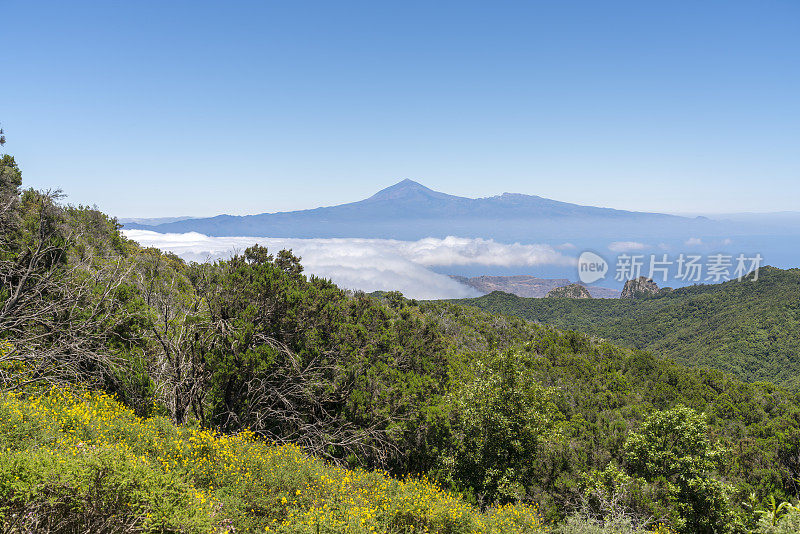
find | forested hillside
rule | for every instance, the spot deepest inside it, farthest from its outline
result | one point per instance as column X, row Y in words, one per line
column 750, row 329
column 243, row 395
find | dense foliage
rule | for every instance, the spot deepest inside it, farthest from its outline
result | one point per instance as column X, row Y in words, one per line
column 81, row 462
column 750, row 329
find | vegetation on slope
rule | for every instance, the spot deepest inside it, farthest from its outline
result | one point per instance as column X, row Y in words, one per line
column 749, row 329
column 82, row 461
column 497, row 409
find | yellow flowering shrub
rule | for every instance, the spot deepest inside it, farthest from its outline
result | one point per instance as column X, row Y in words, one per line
column 157, row 477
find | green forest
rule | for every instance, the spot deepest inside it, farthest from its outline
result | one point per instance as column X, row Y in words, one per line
column 141, row 393
column 748, row 328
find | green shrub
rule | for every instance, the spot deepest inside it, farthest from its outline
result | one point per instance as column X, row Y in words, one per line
column 502, row 417
column 787, row 524
column 94, row 489
column 581, row 525
column 672, row 447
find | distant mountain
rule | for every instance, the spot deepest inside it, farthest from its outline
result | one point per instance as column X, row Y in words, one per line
column 528, row 286
column 151, row 221
column 750, row 329
column 778, row 222
column 409, row 210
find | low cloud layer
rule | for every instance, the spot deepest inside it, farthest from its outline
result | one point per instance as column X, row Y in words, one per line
column 370, row 264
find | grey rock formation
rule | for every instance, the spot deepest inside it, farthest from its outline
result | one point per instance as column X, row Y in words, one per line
column 639, row 287
column 572, row 291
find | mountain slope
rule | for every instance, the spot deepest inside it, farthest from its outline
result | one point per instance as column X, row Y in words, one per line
column 387, row 380
column 409, row 210
column 751, row 329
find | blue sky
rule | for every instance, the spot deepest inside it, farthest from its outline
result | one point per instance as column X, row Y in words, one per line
column 176, row 108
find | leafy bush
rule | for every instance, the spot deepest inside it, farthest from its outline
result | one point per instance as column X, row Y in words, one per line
column 786, row 524
column 576, row 524
column 672, row 446
column 502, row 417
column 94, row 489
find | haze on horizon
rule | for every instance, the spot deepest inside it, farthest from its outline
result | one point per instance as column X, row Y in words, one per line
column 152, row 109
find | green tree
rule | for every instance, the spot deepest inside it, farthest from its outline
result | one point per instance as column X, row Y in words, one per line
column 673, row 447
column 502, row 417
column 65, row 303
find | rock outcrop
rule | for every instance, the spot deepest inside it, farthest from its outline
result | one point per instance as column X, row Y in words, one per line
column 572, row 291
column 639, row 287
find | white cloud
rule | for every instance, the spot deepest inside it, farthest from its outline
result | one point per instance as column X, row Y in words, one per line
column 727, row 241
column 566, row 246
column 473, row 251
column 370, row 264
column 693, row 241
column 626, row 246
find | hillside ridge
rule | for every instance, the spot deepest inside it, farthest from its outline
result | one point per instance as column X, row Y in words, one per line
column 750, row 329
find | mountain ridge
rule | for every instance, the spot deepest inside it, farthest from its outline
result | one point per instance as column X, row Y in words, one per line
column 748, row 328
column 410, row 210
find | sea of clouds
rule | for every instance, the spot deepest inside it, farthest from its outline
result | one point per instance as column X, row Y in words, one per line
column 370, row 264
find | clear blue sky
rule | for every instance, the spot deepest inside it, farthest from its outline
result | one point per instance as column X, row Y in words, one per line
column 174, row 108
